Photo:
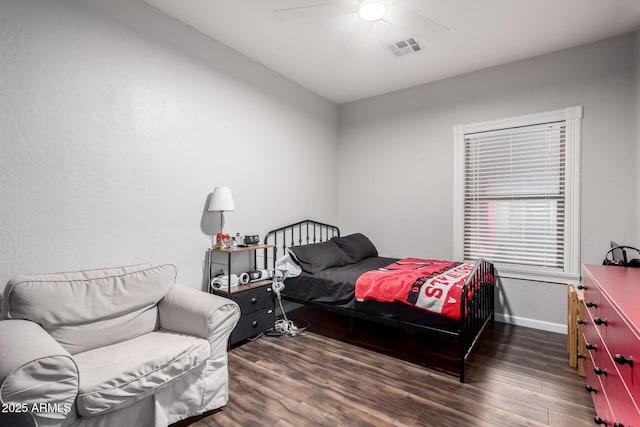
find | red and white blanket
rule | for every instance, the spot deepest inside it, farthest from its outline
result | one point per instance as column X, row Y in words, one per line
column 431, row 285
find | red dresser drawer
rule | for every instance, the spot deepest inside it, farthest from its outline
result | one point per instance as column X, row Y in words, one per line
column 592, row 341
column 591, row 290
column 597, row 389
column 623, row 346
column 624, row 408
column 612, row 328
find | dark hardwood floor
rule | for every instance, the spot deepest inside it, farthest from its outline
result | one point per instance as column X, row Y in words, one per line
column 381, row 375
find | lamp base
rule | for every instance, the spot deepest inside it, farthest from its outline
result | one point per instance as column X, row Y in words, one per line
column 220, row 245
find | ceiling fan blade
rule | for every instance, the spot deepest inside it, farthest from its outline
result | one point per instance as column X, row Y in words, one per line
column 315, row 11
column 358, row 37
column 412, row 22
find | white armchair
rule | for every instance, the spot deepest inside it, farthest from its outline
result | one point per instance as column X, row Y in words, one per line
column 121, row 346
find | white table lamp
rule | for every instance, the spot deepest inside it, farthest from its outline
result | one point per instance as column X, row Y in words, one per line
column 221, row 201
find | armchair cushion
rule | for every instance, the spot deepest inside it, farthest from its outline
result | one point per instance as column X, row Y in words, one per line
column 34, row 368
column 93, row 308
column 120, row 374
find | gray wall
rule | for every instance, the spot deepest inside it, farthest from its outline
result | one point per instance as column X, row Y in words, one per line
column 636, row 120
column 396, row 154
column 116, row 124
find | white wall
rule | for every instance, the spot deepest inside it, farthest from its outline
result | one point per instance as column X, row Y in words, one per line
column 396, row 154
column 116, row 124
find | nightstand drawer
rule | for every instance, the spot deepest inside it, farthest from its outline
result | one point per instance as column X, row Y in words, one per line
column 254, row 299
column 252, row 324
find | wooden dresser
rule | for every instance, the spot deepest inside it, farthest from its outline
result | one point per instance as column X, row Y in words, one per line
column 611, row 351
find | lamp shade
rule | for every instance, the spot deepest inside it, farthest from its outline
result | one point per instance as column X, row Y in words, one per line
column 221, row 200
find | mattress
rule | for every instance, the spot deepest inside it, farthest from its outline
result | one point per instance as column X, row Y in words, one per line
column 336, row 287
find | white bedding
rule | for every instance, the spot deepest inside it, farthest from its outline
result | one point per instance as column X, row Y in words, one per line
column 287, row 266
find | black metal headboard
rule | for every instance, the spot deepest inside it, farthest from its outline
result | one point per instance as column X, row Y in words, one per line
column 300, row 233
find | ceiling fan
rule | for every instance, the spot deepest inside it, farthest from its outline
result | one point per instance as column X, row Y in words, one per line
column 370, row 12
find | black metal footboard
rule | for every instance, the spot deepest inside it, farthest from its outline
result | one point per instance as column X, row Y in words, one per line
column 476, row 302
column 475, row 310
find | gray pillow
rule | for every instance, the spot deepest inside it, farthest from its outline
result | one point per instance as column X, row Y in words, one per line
column 319, row 256
column 357, row 246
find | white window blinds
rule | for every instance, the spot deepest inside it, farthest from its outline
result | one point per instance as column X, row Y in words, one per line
column 514, row 195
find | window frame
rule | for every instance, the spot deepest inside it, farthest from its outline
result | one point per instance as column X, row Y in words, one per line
column 572, row 116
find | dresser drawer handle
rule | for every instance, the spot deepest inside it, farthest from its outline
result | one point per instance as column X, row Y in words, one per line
column 599, row 371
column 591, row 389
column 581, row 356
column 253, row 300
column 598, row 321
column 254, row 324
column 581, row 322
column 620, row 360
column 599, row 421
column 593, row 347
column 582, row 287
column 591, row 304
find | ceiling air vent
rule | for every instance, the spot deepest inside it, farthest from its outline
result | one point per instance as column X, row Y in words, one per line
column 404, row 47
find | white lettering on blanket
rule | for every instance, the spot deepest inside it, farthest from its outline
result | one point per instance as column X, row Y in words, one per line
column 434, row 290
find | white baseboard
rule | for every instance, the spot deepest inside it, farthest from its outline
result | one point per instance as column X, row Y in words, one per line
column 560, row 328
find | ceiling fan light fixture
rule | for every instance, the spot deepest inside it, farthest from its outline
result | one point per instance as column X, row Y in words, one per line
column 372, row 10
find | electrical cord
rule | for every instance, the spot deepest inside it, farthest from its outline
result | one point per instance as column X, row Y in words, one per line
column 256, row 337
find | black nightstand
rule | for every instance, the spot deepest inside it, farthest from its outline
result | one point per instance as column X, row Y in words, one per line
column 256, row 299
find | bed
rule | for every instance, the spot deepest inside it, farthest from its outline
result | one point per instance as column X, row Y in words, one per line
column 328, row 280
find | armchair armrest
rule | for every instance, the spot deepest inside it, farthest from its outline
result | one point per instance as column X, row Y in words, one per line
column 198, row 313
column 36, row 369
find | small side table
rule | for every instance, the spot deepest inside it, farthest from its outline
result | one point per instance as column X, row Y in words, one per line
column 256, row 300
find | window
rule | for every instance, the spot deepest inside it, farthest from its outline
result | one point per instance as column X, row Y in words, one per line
column 517, row 194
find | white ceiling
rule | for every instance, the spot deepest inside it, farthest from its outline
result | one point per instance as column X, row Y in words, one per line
column 317, row 52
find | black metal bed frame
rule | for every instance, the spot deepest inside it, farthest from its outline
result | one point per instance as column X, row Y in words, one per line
column 475, row 312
